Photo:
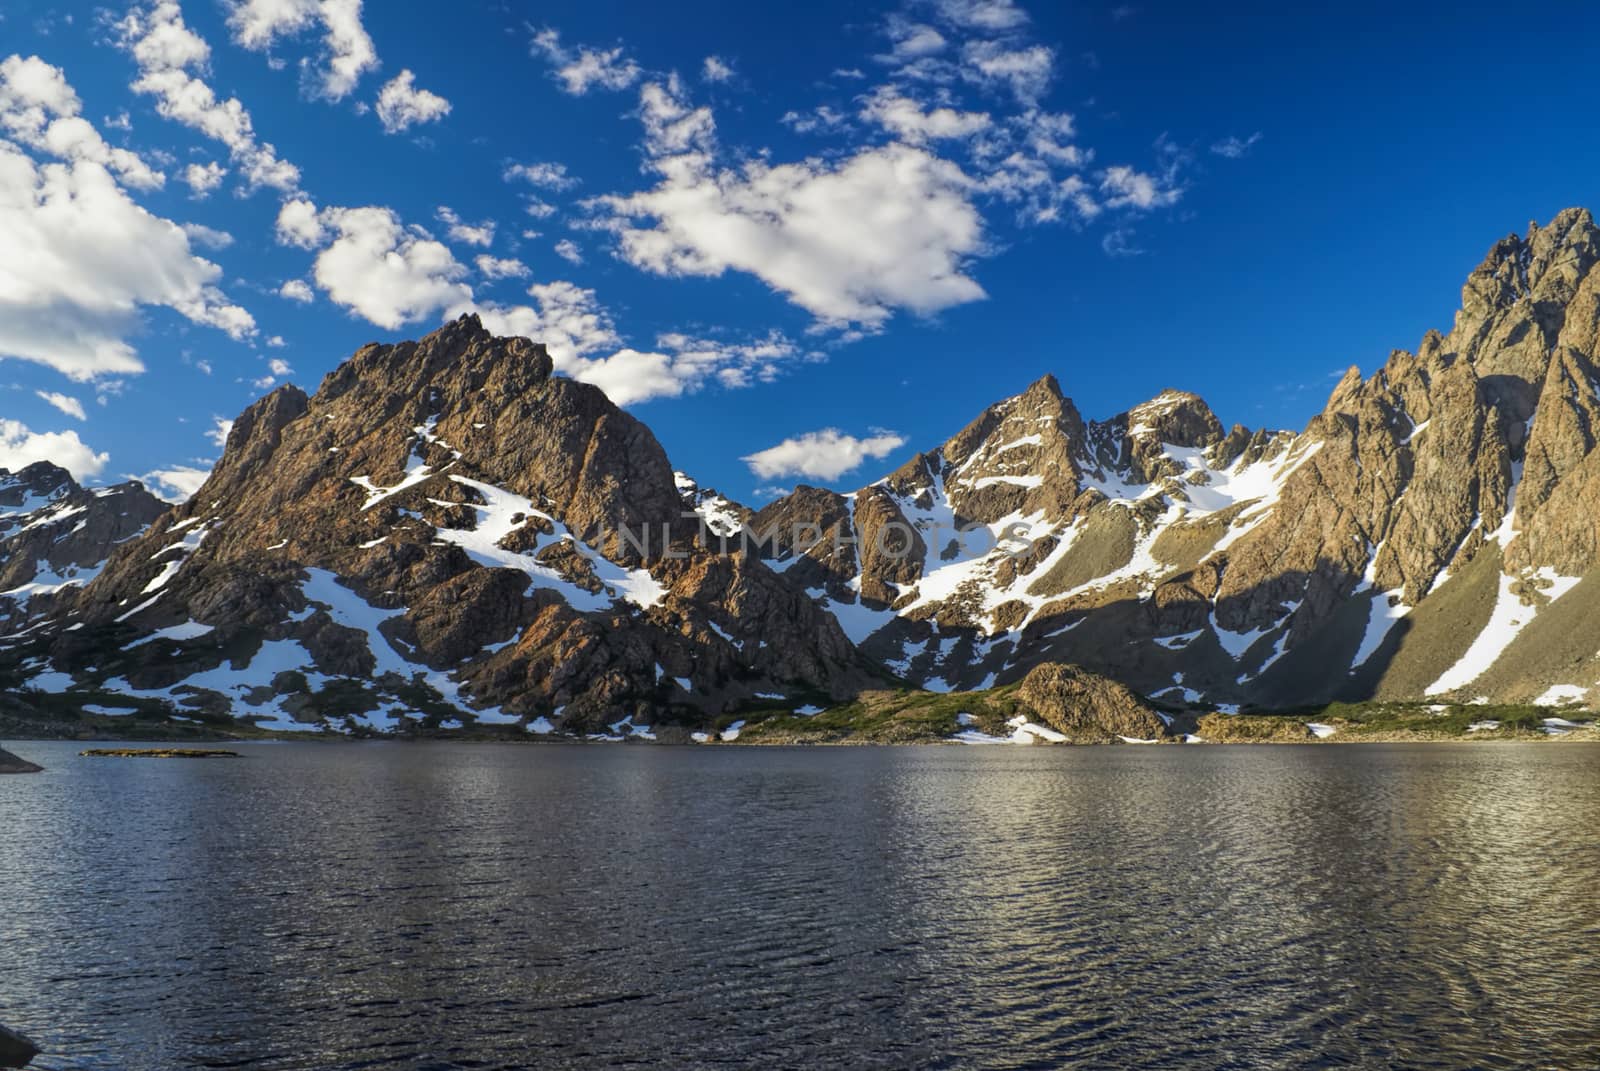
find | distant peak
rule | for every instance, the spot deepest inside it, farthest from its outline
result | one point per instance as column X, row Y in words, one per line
column 1175, row 416
column 1046, row 385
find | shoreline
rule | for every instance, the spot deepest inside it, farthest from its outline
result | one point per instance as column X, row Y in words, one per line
column 1585, row 736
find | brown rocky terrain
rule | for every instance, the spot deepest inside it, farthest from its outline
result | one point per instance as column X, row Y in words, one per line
column 1245, row 567
column 446, row 533
column 55, row 535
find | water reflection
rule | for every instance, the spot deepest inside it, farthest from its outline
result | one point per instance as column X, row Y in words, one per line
column 386, row 905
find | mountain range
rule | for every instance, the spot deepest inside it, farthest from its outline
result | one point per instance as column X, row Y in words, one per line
column 448, row 534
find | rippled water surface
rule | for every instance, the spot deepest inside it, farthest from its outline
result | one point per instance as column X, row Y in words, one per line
column 484, row 906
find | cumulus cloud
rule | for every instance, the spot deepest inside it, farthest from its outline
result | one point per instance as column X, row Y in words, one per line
column 299, row 224
column 209, row 237
column 907, row 120
column 203, row 179
column 78, row 258
column 500, row 267
column 584, row 343
column 587, row 68
column 20, row 447
column 402, row 105
column 716, row 69
column 985, row 15
column 64, row 402
column 850, row 241
column 568, row 251
column 1124, row 187
column 671, row 124
column 372, row 264
column 821, row 118
column 297, row 290
column 347, row 49
column 912, row 40
column 1026, row 71
column 550, row 176
column 41, row 110
column 167, row 52
column 385, row 272
column 480, row 234
column 219, row 431
column 821, row 455
column 176, row 484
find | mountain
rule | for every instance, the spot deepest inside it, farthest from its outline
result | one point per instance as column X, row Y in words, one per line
column 1429, row 533
column 55, row 536
column 447, row 533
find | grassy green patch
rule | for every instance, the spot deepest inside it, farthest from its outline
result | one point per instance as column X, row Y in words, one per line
column 898, row 716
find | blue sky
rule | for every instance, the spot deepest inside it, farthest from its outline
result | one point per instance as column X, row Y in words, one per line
column 822, row 236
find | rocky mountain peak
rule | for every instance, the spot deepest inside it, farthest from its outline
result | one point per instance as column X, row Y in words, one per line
column 38, row 480
column 55, row 535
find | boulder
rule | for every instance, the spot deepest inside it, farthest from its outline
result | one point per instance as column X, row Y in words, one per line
column 1087, row 707
column 15, row 1050
column 9, row 763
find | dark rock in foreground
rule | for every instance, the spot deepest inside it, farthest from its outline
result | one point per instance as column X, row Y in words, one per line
column 9, row 763
column 15, row 1050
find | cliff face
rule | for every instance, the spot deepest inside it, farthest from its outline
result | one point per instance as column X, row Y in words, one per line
column 446, row 532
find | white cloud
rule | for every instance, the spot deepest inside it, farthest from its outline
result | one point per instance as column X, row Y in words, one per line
column 906, row 119
column 716, row 69
column 986, row 15
column 299, row 224
column 912, row 40
column 538, row 209
column 203, row 179
column 401, row 105
column 297, row 290
column 584, row 343
column 1025, row 71
column 568, row 251
column 280, row 367
column 175, row 484
column 1234, row 147
column 850, row 241
column 41, row 110
column 21, row 447
column 166, row 50
column 391, row 274
column 822, row 455
column 820, row 118
column 671, row 124
column 219, row 431
column 1119, row 243
column 276, row 342
column 550, row 176
column 78, row 258
column 480, row 234
column 209, row 237
column 588, row 67
column 64, row 402
column 1124, row 187
column 849, row 72
column 500, row 268
column 347, row 49
column 376, row 267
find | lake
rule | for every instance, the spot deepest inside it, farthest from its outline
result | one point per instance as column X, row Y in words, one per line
column 393, row 905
